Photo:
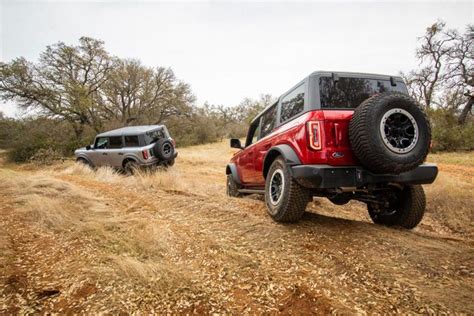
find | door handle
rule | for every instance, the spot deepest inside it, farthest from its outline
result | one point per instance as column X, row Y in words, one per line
column 105, row 154
column 120, row 154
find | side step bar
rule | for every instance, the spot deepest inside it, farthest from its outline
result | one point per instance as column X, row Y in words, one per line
column 252, row 191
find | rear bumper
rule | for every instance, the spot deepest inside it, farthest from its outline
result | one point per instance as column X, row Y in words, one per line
column 155, row 162
column 327, row 177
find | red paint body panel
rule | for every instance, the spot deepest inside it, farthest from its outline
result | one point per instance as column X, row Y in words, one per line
column 335, row 149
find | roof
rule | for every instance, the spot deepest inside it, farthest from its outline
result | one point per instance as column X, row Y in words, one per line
column 353, row 74
column 130, row 130
column 329, row 73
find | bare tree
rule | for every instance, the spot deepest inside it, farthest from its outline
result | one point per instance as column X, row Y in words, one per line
column 135, row 93
column 434, row 49
column 446, row 75
column 459, row 74
column 62, row 85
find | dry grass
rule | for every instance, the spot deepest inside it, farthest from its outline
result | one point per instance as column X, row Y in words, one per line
column 456, row 158
column 170, row 241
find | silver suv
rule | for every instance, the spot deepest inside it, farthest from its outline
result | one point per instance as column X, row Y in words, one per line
column 129, row 148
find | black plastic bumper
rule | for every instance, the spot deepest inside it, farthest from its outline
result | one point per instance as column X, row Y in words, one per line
column 326, row 177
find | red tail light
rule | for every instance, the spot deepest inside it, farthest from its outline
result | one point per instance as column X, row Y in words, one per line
column 314, row 134
column 145, row 154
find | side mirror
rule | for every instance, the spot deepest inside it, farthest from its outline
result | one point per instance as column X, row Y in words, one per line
column 88, row 147
column 235, row 143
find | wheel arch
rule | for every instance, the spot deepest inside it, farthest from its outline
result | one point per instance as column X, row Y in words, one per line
column 286, row 151
column 84, row 157
column 127, row 159
column 232, row 169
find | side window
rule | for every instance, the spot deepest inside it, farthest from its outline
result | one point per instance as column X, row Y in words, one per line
column 115, row 142
column 269, row 120
column 253, row 134
column 131, row 141
column 292, row 104
column 101, row 142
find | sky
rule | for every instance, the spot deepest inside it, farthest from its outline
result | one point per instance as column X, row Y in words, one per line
column 228, row 51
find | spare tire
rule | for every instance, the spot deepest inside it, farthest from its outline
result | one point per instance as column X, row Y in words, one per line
column 164, row 149
column 389, row 133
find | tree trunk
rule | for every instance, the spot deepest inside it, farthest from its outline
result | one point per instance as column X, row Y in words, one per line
column 465, row 112
column 78, row 129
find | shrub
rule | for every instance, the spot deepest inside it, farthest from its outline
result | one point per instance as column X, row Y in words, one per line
column 46, row 156
column 448, row 135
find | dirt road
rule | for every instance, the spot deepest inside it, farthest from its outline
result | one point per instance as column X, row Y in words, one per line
column 74, row 240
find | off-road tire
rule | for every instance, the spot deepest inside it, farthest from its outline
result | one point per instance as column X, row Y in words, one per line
column 368, row 144
column 232, row 188
column 409, row 213
column 130, row 167
column 292, row 204
column 171, row 162
column 159, row 151
column 84, row 162
column 340, row 199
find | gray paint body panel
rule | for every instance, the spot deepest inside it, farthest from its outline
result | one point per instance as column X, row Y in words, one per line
column 115, row 157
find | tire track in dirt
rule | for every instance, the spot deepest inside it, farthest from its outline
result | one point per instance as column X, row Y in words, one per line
column 352, row 264
column 203, row 252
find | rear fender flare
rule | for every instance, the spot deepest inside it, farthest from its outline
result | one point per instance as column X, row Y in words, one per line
column 232, row 169
column 286, row 151
column 128, row 158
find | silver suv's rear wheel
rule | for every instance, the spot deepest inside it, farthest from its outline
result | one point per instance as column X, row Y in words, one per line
column 130, row 167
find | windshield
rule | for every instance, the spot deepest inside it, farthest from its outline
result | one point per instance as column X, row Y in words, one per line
column 351, row 92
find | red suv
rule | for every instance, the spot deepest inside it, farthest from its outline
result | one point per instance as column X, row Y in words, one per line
column 343, row 136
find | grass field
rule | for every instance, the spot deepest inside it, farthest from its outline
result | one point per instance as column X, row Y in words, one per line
column 75, row 240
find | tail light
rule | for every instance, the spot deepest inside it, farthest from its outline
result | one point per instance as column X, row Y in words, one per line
column 314, row 134
column 173, row 142
column 145, row 154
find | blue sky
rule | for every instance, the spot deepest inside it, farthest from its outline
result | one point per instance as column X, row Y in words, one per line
column 228, row 51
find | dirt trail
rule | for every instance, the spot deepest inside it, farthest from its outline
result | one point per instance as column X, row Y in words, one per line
column 81, row 241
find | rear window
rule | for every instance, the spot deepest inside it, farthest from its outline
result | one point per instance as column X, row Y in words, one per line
column 268, row 121
column 153, row 136
column 351, row 92
column 292, row 104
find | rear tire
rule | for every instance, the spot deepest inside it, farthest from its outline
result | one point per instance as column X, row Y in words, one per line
column 170, row 162
column 286, row 200
column 406, row 209
column 130, row 167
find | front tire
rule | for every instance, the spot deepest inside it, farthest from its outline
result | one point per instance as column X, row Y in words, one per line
column 406, row 208
column 286, row 200
column 232, row 188
column 84, row 162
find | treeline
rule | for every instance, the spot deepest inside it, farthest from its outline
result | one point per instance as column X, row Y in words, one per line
column 75, row 92
column 199, row 125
